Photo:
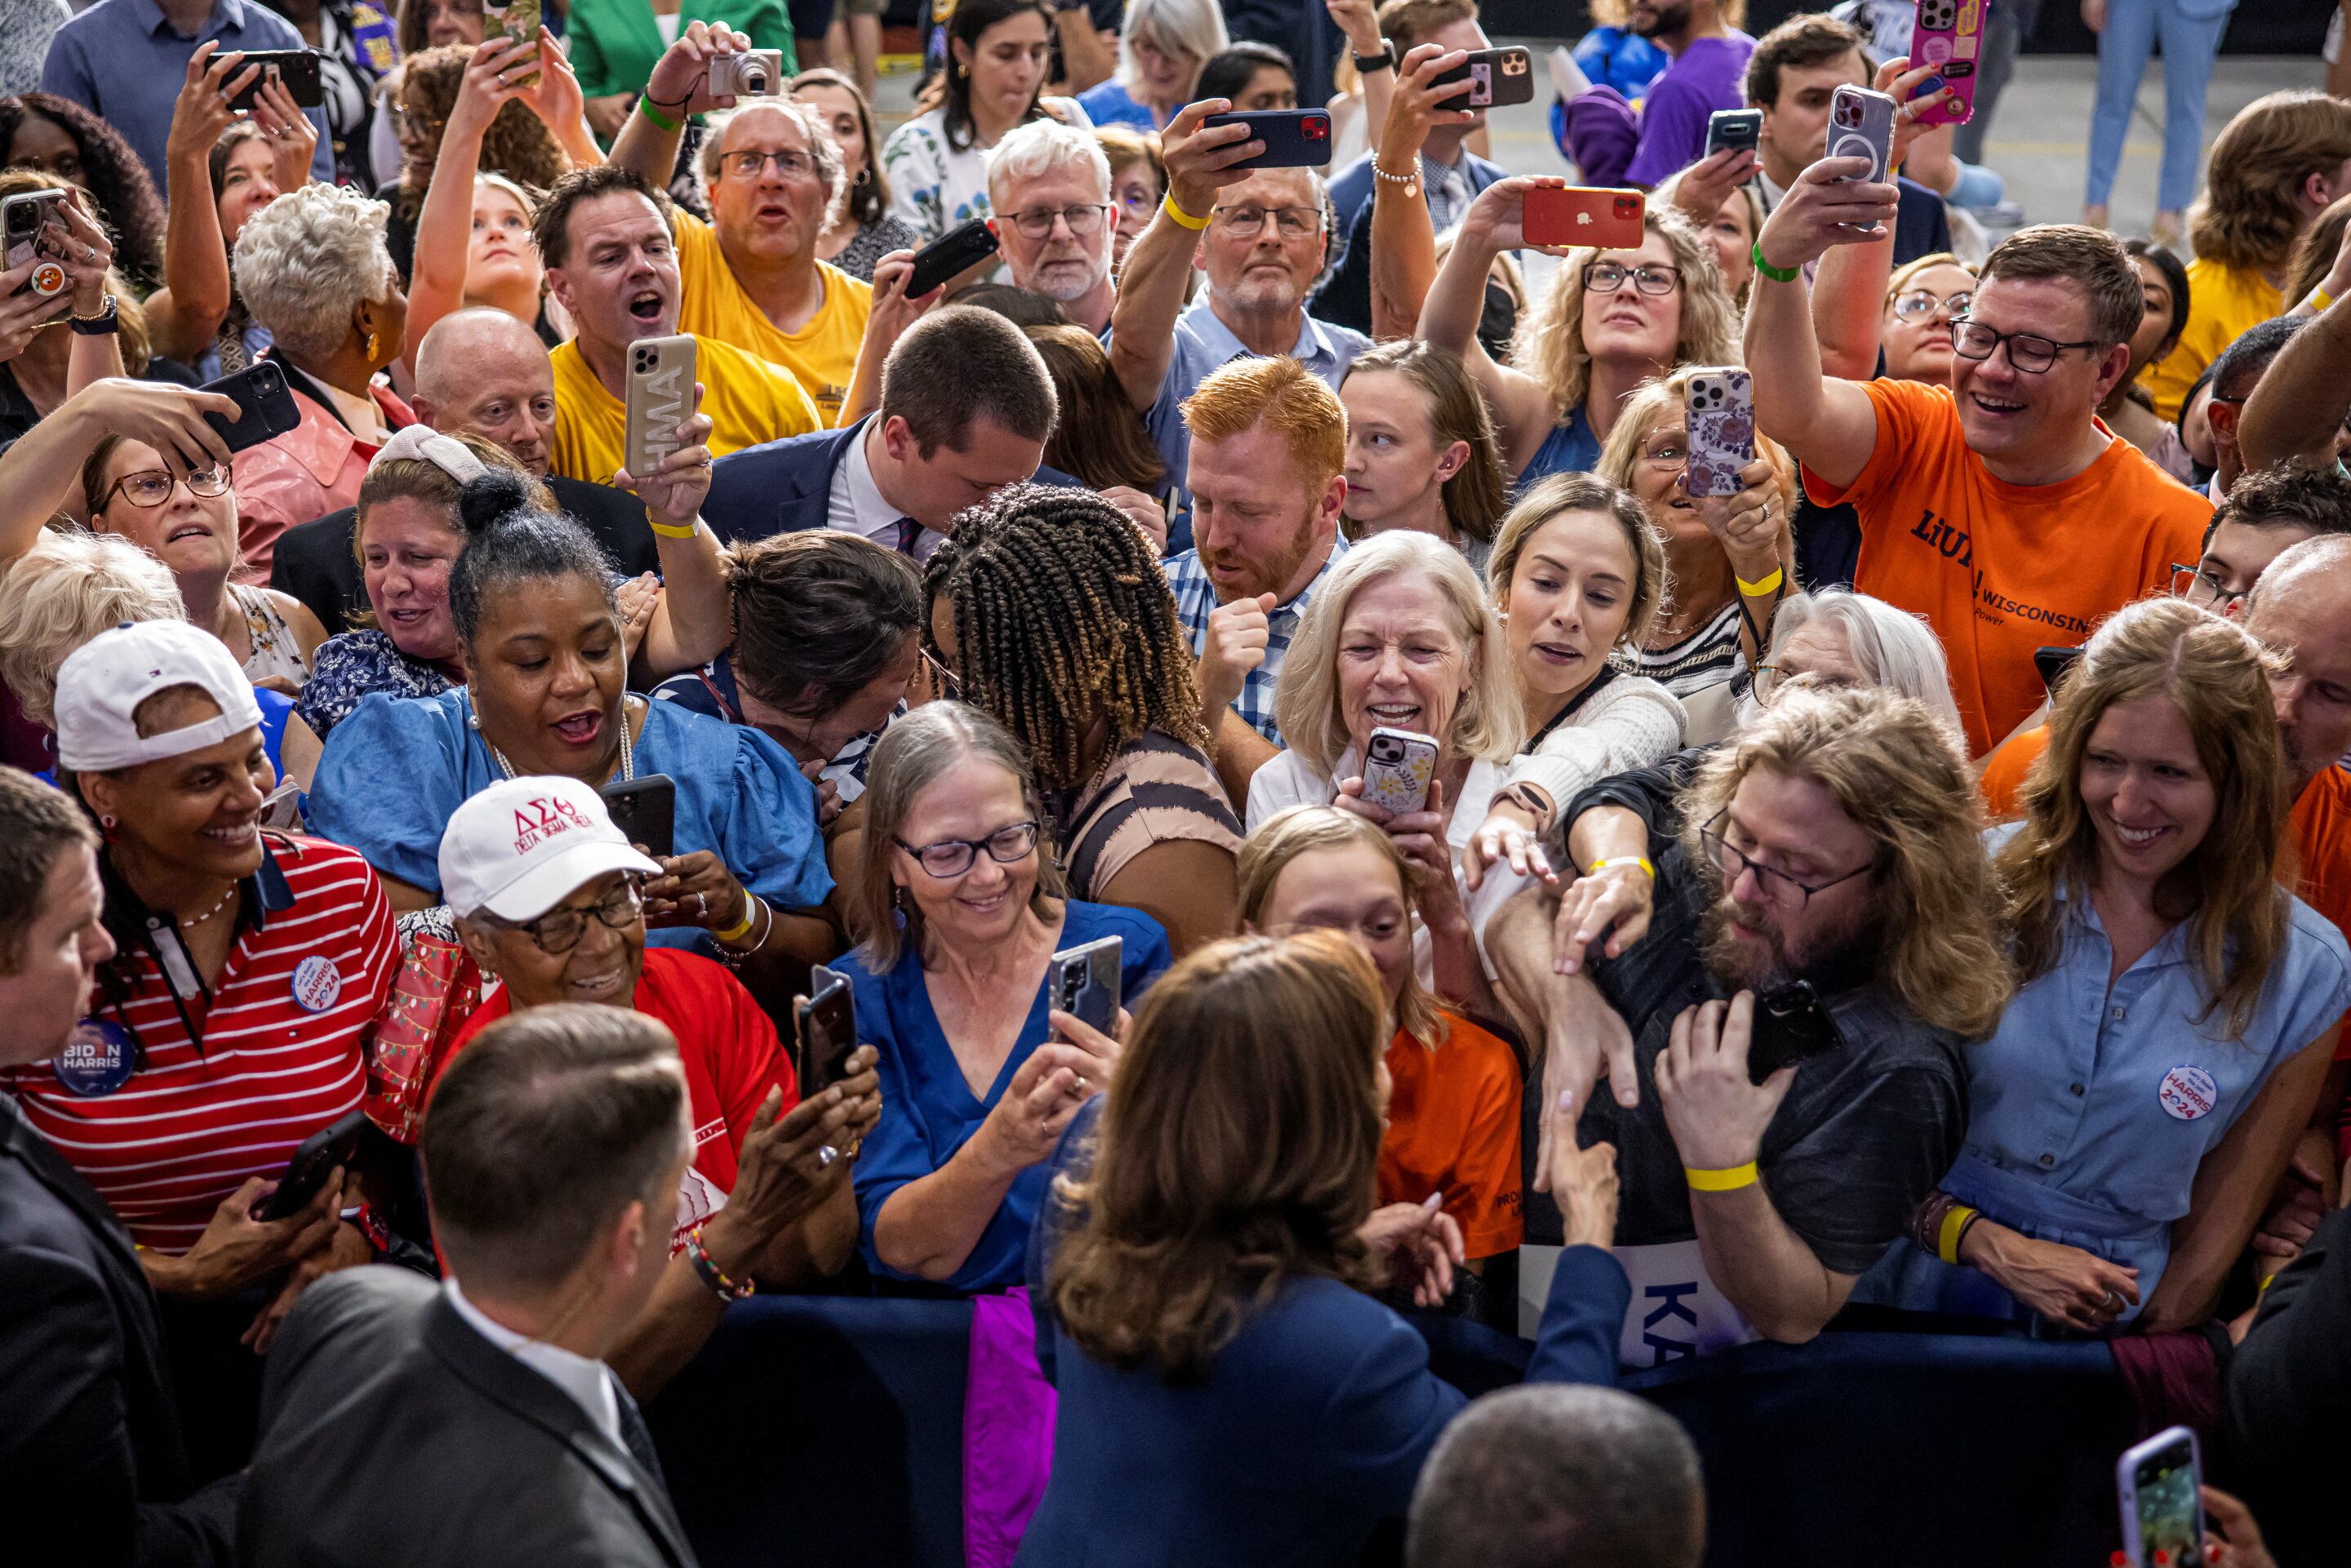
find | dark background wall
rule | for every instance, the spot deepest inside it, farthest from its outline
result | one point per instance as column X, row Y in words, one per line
column 2259, row 27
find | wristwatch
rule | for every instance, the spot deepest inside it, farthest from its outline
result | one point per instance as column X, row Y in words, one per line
column 1385, row 61
column 99, row 325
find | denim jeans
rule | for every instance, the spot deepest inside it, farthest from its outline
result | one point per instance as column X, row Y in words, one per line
column 2190, row 30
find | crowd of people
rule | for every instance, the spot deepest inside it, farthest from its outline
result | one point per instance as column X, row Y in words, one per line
column 1893, row 876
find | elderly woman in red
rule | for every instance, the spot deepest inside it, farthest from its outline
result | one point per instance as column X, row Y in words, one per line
column 233, row 1020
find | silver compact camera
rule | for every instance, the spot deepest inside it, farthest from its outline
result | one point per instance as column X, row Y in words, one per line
column 754, row 73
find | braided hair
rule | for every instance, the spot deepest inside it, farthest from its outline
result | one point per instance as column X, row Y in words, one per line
column 1063, row 616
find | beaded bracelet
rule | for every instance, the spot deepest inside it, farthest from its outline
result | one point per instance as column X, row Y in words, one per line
column 698, row 1254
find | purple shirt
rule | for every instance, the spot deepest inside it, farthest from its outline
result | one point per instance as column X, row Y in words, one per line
column 1710, row 75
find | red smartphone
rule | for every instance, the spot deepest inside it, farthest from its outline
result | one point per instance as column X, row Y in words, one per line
column 1584, row 215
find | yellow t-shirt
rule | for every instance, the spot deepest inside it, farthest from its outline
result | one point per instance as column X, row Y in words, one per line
column 823, row 354
column 2222, row 301
column 749, row 401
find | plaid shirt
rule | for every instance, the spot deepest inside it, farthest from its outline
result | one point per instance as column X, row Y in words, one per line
column 1195, row 598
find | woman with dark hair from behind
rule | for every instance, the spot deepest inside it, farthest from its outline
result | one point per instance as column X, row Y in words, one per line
column 861, row 230
column 1099, row 438
column 1228, row 1394
column 61, row 139
column 2320, row 272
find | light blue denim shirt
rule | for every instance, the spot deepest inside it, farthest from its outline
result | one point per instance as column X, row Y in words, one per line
column 2090, row 1109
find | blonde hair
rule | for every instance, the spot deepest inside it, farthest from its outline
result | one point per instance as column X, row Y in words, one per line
column 1550, row 347
column 2218, row 677
column 1900, row 278
column 1662, row 398
column 1488, row 722
column 1900, row 776
column 914, row 753
column 1557, row 495
column 64, row 591
column 2251, row 210
column 1296, row 830
column 1278, row 391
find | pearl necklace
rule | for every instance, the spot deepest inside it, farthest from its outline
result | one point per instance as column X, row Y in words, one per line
column 506, row 769
column 191, row 924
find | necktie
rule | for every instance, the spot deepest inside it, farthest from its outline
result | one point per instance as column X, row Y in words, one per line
column 909, row 531
column 636, row 1437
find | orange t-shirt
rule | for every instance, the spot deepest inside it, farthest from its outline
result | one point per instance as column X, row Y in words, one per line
column 1453, row 1127
column 1998, row 570
column 2004, row 770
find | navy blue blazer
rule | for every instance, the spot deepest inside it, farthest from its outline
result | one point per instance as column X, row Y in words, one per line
column 783, row 486
column 1309, row 1428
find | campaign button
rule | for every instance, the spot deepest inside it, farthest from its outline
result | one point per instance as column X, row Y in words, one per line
column 317, row 985
column 2188, row 1093
column 97, row 1060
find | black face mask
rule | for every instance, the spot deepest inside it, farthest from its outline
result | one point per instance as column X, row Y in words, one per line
column 1497, row 321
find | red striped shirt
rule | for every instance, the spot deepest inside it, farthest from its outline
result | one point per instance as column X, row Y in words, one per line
column 191, row 1125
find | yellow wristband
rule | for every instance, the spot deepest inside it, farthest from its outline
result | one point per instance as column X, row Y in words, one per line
column 1954, row 1226
column 2320, row 300
column 1179, row 214
column 673, row 532
column 1729, row 1180
column 736, row 934
column 1769, row 585
column 1614, row 861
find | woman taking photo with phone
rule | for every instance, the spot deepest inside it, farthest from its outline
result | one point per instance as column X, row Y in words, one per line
column 960, row 908
column 2130, row 1115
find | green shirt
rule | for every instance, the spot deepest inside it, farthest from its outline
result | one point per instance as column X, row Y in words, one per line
column 615, row 44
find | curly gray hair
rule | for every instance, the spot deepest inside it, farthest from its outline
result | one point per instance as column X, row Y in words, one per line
column 309, row 259
column 821, row 147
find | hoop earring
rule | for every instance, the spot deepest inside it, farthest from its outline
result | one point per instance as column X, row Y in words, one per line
column 107, row 823
column 864, row 178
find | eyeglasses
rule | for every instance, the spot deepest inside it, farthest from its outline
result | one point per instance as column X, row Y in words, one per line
column 1084, row 220
column 1294, row 222
column 1918, row 304
column 558, row 931
column 2028, row 351
column 1777, row 886
column 1607, row 277
column 2202, row 587
column 151, row 488
column 790, row 163
column 953, row 857
column 1666, row 452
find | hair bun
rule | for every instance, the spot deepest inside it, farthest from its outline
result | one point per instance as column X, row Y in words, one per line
column 491, row 495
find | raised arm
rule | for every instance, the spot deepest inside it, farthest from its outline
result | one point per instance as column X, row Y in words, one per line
column 1404, row 240
column 1359, row 20
column 1159, row 268
column 2299, row 404
column 1849, row 287
column 891, row 314
column 186, row 313
column 43, row 469
column 1088, row 56
column 444, row 224
column 695, row 618
column 678, row 87
column 1523, row 409
column 1827, row 424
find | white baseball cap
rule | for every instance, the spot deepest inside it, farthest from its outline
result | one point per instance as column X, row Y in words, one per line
column 102, row 683
column 524, row 845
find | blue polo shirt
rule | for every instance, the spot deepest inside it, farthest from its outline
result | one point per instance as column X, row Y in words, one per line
column 124, row 62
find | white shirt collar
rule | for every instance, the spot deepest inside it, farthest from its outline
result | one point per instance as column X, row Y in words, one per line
column 589, row 1383
column 855, row 502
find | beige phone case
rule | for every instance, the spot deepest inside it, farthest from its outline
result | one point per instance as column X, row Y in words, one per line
column 660, row 398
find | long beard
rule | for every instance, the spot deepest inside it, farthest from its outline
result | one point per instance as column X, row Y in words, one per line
column 1845, row 956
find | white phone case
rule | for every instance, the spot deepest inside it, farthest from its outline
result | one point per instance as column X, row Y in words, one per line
column 1720, row 417
column 1398, row 768
column 1861, row 125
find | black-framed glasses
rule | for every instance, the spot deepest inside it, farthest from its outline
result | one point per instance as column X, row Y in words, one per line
column 150, row 487
column 1607, row 277
column 2028, row 351
column 953, row 857
column 1085, row 219
column 2200, row 586
column 1777, row 886
column 1918, row 304
column 790, row 163
column 1293, row 223
column 558, row 931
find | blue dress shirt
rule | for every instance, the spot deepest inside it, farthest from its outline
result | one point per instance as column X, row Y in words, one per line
column 122, row 61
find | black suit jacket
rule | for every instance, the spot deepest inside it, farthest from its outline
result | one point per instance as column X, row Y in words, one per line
column 394, row 1434
column 314, row 561
column 92, row 1469
column 2286, row 1403
column 783, row 486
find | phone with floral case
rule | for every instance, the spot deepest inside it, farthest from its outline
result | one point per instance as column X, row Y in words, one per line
column 1719, row 411
column 1398, row 767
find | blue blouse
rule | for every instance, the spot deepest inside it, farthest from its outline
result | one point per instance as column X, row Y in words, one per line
column 395, row 771
column 1569, row 448
column 1108, row 103
column 928, row 1110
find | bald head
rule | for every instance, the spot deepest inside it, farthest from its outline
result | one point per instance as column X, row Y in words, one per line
column 2302, row 608
column 484, row 372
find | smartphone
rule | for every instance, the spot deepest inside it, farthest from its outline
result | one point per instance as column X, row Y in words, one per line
column 1398, row 767
column 1861, row 125
column 298, row 68
column 1949, row 36
column 951, row 254
column 1718, row 412
column 660, row 398
column 755, row 73
column 32, row 225
column 645, row 808
column 2053, row 664
column 1085, row 982
column 266, row 400
column 518, row 20
column 1791, row 1025
column 2162, row 1509
column 825, row 1022
column 331, row 1145
column 1584, row 215
column 1740, row 130
column 1293, row 138
column 1496, row 76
